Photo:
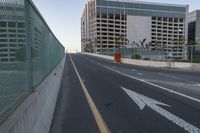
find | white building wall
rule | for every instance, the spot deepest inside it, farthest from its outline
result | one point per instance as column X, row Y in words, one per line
column 138, row 28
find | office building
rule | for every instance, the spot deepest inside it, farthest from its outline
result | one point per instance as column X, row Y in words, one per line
column 12, row 30
column 108, row 24
column 194, row 35
column 194, row 26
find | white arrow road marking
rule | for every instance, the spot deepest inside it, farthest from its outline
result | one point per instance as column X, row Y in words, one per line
column 142, row 100
column 137, row 98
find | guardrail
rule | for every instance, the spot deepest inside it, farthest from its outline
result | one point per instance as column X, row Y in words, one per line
column 29, row 51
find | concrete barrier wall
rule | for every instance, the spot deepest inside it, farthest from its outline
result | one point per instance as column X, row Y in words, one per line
column 34, row 115
column 160, row 64
column 196, row 67
column 101, row 56
column 144, row 63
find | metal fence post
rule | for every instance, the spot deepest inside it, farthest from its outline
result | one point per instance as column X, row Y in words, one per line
column 28, row 44
column 191, row 53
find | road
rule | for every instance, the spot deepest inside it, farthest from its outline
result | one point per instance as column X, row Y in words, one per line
column 130, row 99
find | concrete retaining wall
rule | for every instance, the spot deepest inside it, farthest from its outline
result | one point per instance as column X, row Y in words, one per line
column 160, row 64
column 34, row 115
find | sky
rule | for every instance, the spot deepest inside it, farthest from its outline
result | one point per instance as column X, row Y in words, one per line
column 64, row 16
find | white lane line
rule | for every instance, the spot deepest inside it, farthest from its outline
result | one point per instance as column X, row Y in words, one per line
column 173, row 83
column 176, row 77
column 143, row 101
column 194, row 84
column 197, row 85
column 133, row 70
column 140, row 74
column 170, row 76
column 152, row 84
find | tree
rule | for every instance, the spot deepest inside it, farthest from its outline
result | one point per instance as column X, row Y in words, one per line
column 157, row 45
column 182, row 42
column 142, row 42
column 88, row 46
column 96, row 43
column 136, row 56
column 191, row 45
column 118, row 41
column 134, row 46
column 148, row 45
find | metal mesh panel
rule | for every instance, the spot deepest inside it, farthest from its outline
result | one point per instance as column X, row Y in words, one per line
column 28, row 52
column 192, row 53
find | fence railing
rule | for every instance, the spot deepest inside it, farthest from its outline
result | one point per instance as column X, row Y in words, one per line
column 187, row 53
column 29, row 51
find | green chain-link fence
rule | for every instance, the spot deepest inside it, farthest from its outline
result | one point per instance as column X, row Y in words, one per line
column 187, row 53
column 29, row 51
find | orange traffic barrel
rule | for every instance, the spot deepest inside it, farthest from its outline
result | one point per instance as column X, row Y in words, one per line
column 118, row 57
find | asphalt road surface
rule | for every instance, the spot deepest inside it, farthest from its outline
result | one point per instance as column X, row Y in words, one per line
column 130, row 99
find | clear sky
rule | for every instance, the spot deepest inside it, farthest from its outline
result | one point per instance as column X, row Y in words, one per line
column 63, row 17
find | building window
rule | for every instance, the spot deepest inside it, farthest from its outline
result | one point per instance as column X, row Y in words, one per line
column 21, row 31
column 3, row 50
column 2, row 24
column 21, row 25
column 4, row 60
column 117, row 17
column 110, row 16
column 98, row 15
column 103, row 15
column 12, row 30
column 11, row 24
column 12, row 35
column 3, row 40
column 3, row 35
column 12, row 40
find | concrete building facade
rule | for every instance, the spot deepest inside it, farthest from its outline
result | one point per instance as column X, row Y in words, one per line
column 108, row 24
